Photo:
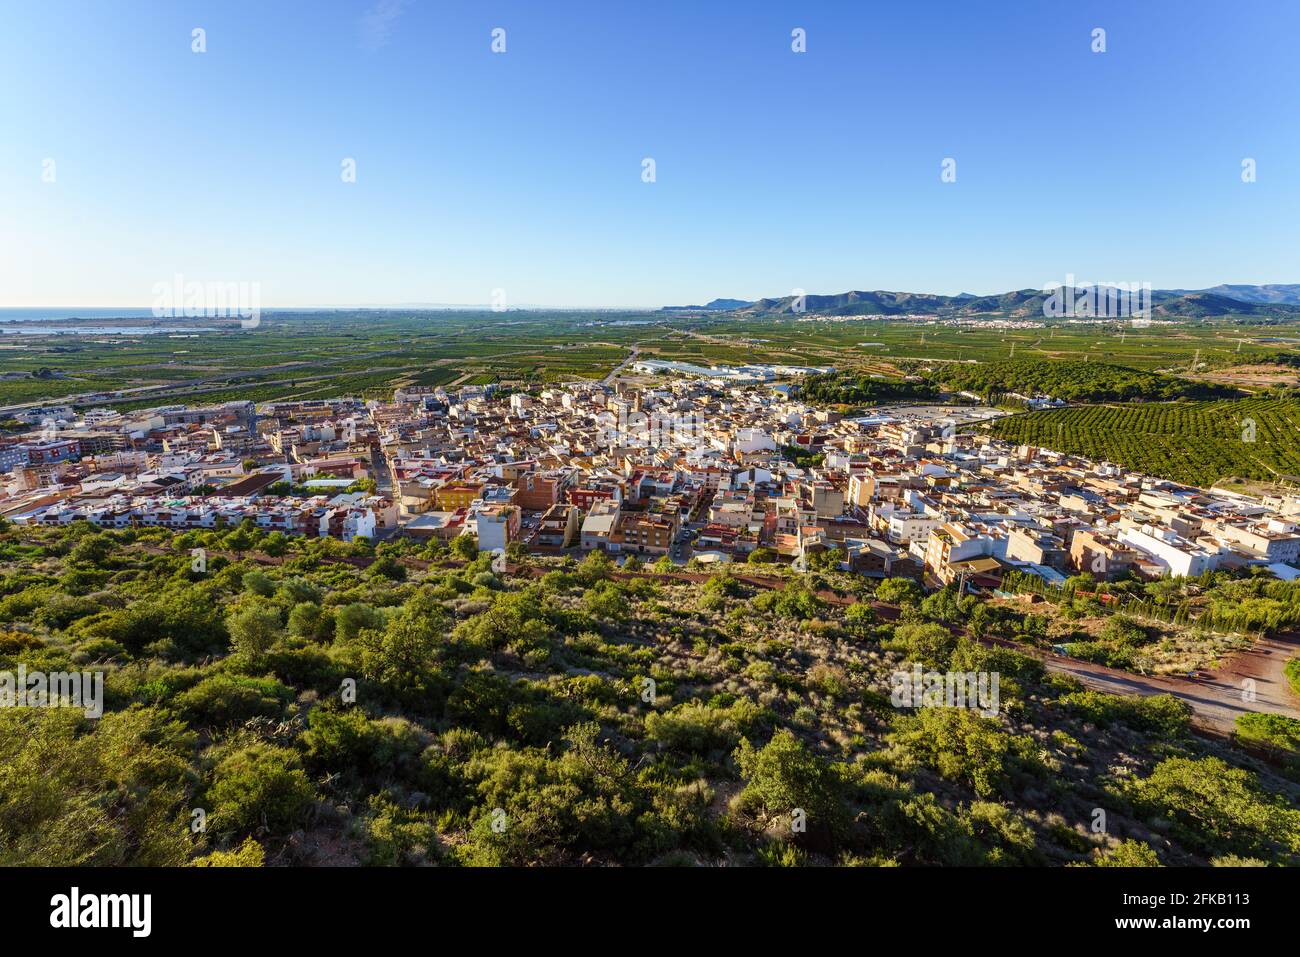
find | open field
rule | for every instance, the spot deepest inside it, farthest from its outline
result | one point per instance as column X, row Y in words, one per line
column 370, row 350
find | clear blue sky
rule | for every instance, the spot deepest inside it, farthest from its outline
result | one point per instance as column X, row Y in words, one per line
column 522, row 171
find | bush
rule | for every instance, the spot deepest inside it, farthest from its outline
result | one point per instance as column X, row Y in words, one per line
column 964, row 746
column 1129, row 854
column 348, row 741
column 1292, row 673
column 1217, row 808
column 73, row 793
column 699, row 729
column 260, row 786
column 793, row 601
column 1273, row 731
column 306, row 620
column 927, row 644
column 254, row 628
column 1123, row 631
column 259, row 583
column 351, row 619
column 248, row 854
column 222, row 700
column 1161, row 714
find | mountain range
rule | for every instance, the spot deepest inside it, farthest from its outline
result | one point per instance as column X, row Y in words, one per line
column 1266, row 301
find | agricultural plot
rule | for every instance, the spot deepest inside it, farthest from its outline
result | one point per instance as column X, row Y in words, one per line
column 1198, row 443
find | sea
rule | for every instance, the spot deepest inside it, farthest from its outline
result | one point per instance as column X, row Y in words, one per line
column 44, row 321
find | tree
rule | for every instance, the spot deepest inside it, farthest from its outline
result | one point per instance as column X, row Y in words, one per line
column 595, row 567
column 465, row 547
column 825, row 560
column 859, row 618
column 92, row 550
column 401, row 655
column 306, row 620
column 352, row 618
column 254, row 628
column 941, row 606
column 783, row 777
column 900, row 591
column 239, row 541
column 275, row 544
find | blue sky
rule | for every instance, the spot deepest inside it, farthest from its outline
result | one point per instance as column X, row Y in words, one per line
column 522, row 171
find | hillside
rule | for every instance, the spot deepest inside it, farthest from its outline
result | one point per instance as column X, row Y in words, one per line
column 1198, row 443
column 1203, row 305
column 407, row 705
column 1284, row 293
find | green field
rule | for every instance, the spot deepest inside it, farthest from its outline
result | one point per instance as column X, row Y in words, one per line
column 1198, row 443
column 382, row 348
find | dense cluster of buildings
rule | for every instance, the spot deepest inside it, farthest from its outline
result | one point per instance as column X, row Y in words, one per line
column 685, row 466
column 198, row 468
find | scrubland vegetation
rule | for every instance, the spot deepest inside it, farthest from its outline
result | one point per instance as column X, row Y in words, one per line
column 322, row 703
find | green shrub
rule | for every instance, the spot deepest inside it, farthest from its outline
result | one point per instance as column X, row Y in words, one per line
column 699, row 729
column 222, row 700
column 1275, row 731
column 259, row 786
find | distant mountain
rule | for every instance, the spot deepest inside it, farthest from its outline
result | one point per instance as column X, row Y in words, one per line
column 881, row 302
column 1275, row 293
column 1020, row 303
column 722, row 305
column 1202, row 305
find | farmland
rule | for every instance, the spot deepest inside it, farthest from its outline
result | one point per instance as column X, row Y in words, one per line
column 292, row 353
column 1198, row 443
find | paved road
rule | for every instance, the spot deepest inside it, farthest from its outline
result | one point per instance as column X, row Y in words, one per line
column 618, row 369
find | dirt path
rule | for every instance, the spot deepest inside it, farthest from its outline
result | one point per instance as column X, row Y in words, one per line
column 1216, row 702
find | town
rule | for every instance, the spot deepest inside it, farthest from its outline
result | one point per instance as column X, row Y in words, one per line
column 664, row 463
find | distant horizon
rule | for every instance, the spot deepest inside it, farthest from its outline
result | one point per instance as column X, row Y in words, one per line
column 8, row 311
